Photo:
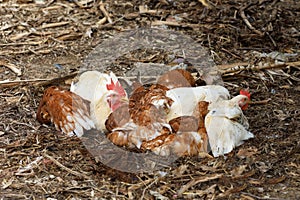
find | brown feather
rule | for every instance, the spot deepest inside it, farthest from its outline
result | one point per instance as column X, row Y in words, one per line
column 56, row 104
column 118, row 118
column 177, row 78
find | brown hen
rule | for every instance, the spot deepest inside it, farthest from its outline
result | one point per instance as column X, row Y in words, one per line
column 148, row 107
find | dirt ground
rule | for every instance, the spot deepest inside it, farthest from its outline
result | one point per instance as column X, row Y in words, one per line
column 42, row 40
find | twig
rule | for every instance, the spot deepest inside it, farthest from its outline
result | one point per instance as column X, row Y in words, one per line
column 195, row 181
column 242, row 13
column 144, row 190
column 19, row 36
column 52, row 25
column 37, row 82
column 260, row 102
column 229, row 68
column 18, row 82
column 75, row 173
column 232, row 190
column 257, row 197
column 232, row 54
column 57, row 80
column 105, row 13
column 272, row 40
column 23, row 43
column 24, row 124
column 141, row 184
column 11, row 67
column 172, row 23
column 30, row 166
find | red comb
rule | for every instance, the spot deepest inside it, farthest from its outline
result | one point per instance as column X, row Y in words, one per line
column 245, row 92
column 117, row 87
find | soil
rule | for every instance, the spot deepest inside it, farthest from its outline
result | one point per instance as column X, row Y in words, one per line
column 49, row 40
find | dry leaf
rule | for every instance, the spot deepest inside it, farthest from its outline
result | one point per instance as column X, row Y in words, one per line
column 238, row 170
column 180, row 170
column 157, row 195
column 247, row 152
column 276, row 180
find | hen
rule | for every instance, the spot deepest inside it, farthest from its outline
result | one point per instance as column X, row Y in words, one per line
column 196, row 116
column 104, row 92
column 144, row 119
column 91, row 99
column 226, row 125
column 66, row 110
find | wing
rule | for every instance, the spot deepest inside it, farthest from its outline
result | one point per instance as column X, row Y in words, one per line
column 180, row 144
column 118, row 118
column 66, row 110
column 224, row 134
column 185, row 99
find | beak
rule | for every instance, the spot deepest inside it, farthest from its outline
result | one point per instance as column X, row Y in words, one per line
column 124, row 100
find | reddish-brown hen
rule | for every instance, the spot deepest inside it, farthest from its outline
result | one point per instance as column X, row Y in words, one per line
column 66, row 110
column 147, row 109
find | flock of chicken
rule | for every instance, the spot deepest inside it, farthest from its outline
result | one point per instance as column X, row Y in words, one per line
column 173, row 116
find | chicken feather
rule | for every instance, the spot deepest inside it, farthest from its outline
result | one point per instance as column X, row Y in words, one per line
column 223, row 125
column 147, row 109
column 185, row 99
column 66, row 110
column 104, row 92
column 177, row 78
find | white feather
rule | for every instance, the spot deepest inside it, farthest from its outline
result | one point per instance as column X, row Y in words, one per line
column 87, row 84
column 186, row 98
column 78, row 129
column 92, row 85
column 224, row 132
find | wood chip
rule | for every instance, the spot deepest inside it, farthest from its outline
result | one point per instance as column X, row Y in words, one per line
column 205, row 3
column 101, row 21
column 72, row 36
column 173, row 23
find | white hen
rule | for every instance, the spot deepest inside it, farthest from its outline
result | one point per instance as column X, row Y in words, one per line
column 226, row 125
column 104, row 92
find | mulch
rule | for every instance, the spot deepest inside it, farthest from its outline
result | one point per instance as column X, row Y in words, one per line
column 255, row 45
